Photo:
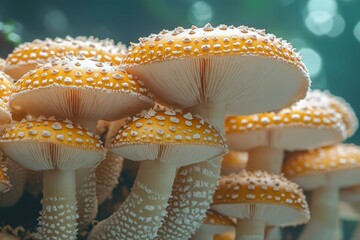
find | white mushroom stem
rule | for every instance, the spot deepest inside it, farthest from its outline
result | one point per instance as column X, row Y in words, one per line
column 141, row 215
column 265, row 158
column 86, row 196
column 194, row 186
column 58, row 215
column 250, row 230
column 324, row 214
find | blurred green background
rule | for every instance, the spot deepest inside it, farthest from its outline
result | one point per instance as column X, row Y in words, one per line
column 326, row 32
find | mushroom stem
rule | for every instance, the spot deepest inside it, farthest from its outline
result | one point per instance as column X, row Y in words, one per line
column 145, row 207
column 58, row 215
column 86, row 196
column 194, row 186
column 202, row 235
column 249, row 230
column 324, row 210
column 265, row 158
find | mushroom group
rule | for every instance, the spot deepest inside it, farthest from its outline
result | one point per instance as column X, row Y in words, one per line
column 80, row 109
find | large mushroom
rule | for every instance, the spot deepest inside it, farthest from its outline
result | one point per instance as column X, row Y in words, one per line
column 80, row 89
column 212, row 72
column 28, row 55
column 57, row 148
column 258, row 199
column 266, row 136
column 163, row 140
column 324, row 171
column 214, row 223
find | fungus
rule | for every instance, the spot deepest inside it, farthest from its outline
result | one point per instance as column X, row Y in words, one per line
column 4, row 179
column 258, row 199
column 233, row 162
column 213, row 71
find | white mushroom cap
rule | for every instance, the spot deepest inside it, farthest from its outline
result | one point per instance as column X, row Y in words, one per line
column 337, row 166
column 261, row 196
column 240, row 67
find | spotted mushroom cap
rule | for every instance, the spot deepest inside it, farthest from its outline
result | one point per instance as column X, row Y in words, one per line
column 337, row 165
column 268, row 195
column 347, row 113
column 168, row 136
column 233, row 162
column 80, row 88
column 215, row 223
column 26, row 56
column 228, row 65
column 46, row 144
column 4, row 179
column 5, row 86
column 5, row 115
column 302, row 126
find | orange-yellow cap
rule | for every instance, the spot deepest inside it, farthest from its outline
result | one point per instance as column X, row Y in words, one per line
column 302, row 126
column 5, row 115
column 79, row 88
column 28, row 55
column 241, row 68
column 168, row 136
column 4, row 179
column 46, row 144
column 335, row 166
column 264, row 193
column 5, row 86
column 328, row 100
column 225, row 236
column 214, row 218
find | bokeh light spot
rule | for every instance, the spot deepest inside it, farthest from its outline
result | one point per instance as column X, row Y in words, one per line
column 200, row 13
column 357, row 31
column 312, row 60
column 56, row 22
column 338, row 26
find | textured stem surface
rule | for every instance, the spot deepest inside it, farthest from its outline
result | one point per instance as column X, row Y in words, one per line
column 141, row 215
column 265, row 158
column 58, row 215
column 194, row 187
column 250, row 230
column 324, row 214
column 86, row 196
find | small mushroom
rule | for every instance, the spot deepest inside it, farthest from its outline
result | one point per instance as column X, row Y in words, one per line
column 233, row 162
column 258, row 199
column 324, row 171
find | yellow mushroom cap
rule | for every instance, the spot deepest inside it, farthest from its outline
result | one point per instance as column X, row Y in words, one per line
column 347, row 113
column 5, row 86
column 302, row 126
column 26, row 56
column 267, row 195
column 4, row 179
column 233, row 162
column 214, row 218
column 168, row 136
column 79, row 88
column 335, row 166
column 46, row 144
column 225, row 236
column 5, row 115
column 234, row 66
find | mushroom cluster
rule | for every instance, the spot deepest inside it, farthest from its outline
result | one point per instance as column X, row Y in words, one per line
column 80, row 109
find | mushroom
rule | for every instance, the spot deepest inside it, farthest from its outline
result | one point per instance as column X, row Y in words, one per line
column 5, row 86
column 108, row 171
column 324, row 171
column 258, row 199
column 213, row 71
column 214, row 223
column 80, row 89
column 162, row 140
column 57, row 148
column 233, row 162
column 17, row 175
column 4, row 179
column 2, row 64
column 266, row 136
column 26, row 56
column 225, row 236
